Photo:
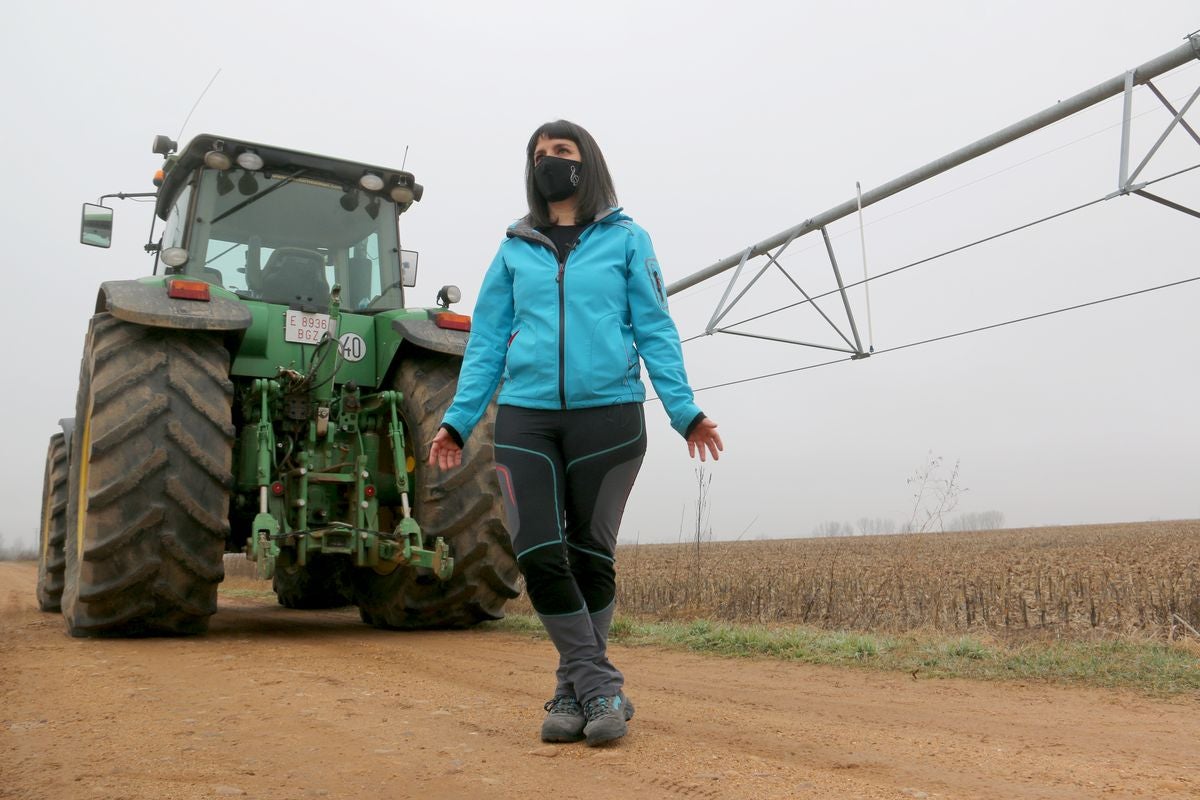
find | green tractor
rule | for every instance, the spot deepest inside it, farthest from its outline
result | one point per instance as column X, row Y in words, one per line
column 267, row 392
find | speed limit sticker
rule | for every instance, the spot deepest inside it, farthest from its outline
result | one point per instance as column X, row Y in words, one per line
column 353, row 347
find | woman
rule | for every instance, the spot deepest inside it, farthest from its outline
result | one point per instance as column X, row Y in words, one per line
column 572, row 300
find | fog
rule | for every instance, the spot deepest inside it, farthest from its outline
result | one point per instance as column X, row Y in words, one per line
column 723, row 124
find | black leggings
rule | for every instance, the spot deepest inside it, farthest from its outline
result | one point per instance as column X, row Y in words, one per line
column 565, row 477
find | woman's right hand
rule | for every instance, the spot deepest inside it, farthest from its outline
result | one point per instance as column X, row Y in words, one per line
column 443, row 452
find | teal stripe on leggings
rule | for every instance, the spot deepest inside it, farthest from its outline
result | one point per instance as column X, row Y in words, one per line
column 554, row 477
column 610, row 449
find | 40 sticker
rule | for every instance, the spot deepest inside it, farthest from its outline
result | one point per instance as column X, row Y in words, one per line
column 353, row 346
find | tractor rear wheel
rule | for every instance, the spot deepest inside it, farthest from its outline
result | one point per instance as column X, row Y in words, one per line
column 324, row 582
column 150, row 481
column 54, row 526
column 462, row 505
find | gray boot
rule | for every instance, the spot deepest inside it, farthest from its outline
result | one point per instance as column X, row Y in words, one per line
column 606, row 718
column 564, row 720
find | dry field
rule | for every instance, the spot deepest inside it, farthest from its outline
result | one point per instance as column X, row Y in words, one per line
column 1129, row 578
column 1121, row 578
column 1134, row 578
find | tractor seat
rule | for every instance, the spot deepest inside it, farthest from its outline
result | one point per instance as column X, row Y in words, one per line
column 294, row 274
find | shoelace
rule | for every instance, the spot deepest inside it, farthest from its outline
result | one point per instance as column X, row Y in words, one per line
column 563, row 704
column 596, row 707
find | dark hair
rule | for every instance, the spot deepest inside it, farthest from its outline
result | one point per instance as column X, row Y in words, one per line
column 595, row 193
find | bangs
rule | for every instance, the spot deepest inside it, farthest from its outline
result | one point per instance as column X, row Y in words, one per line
column 559, row 129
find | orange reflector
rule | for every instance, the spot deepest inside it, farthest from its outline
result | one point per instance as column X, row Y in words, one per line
column 187, row 290
column 454, row 322
column 158, row 178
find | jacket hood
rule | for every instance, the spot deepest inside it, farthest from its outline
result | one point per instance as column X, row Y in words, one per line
column 521, row 229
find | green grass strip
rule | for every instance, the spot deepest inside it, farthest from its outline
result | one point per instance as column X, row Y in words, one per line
column 1155, row 668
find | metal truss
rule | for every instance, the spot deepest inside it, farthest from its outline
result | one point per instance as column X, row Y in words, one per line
column 855, row 348
column 1125, row 182
column 774, row 247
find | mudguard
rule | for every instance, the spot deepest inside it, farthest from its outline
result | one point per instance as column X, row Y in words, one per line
column 148, row 304
column 424, row 333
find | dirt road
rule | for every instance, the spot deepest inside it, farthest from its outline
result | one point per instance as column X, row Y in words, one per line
column 290, row 704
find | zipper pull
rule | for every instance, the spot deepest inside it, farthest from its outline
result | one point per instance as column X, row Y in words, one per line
column 559, row 278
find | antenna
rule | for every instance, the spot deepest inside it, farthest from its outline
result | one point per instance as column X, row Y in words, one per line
column 405, row 160
column 186, row 119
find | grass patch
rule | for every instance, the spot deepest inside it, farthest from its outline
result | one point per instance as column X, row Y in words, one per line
column 1156, row 668
column 966, row 647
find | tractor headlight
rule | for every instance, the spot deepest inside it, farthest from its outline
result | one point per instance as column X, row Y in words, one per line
column 218, row 159
column 248, row 159
column 174, row 256
column 371, row 182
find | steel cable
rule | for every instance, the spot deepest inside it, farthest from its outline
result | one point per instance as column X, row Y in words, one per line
column 953, row 335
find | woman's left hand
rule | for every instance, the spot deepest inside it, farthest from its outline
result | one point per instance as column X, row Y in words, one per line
column 705, row 437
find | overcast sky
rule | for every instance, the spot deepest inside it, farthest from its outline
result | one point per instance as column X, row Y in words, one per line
column 723, row 124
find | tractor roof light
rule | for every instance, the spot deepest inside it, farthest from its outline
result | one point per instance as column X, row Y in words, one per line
column 174, row 256
column 218, row 159
column 402, row 194
column 164, row 145
column 248, row 159
column 371, row 182
column 184, row 289
column 448, row 294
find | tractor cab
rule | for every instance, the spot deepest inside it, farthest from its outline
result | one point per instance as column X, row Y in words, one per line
column 284, row 226
column 280, row 226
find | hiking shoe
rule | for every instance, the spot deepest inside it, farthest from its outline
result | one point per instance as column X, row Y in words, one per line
column 564, row 720
column 606, row 718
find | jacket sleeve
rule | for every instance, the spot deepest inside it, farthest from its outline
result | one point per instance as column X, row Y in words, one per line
column 655, row 334
column 483, row 363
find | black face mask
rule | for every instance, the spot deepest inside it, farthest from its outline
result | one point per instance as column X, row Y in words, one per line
column 557, row 178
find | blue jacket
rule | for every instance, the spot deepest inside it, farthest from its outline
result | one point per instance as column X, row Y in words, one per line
column 571, row 337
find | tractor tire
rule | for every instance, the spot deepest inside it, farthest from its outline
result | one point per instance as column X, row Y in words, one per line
column 51, row 560
column 462, row 505
column 322, row 583
column 150, row 481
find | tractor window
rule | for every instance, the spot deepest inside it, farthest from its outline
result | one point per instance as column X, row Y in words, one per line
column 177, row 219
column 289, row 241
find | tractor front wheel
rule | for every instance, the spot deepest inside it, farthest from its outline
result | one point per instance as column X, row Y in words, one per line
column 150, row 481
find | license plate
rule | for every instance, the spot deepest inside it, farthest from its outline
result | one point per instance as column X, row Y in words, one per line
column 306, row 328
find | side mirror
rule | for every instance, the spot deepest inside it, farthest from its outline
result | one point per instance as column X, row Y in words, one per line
column 96, row 227
column 408, row 267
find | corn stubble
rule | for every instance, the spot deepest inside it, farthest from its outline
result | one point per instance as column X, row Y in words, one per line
column 1137, row 578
